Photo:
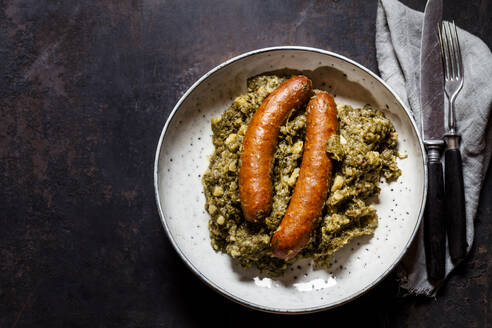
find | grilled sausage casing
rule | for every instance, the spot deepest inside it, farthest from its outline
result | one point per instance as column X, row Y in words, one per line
column 312, row 185
column 255, row 183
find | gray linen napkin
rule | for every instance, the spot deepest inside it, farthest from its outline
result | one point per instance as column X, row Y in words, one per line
column 398, row 35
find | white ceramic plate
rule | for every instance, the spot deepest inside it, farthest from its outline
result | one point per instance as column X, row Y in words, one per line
column 182, row 157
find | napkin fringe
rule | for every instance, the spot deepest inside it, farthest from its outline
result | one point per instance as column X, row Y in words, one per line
column 407, row 290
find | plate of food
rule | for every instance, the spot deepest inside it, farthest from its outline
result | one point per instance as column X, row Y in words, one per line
column 290, row 179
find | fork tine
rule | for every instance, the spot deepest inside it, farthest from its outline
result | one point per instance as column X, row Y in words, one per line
column 453, row 51
column 459, row 60
column 445, row 50
column 447, row 33
column 443, row 56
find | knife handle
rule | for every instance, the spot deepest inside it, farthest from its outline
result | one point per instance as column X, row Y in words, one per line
column 434, row 223
column 455, row 204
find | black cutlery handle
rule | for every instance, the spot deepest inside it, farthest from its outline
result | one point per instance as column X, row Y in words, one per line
column 434, row 223
column 455, row 204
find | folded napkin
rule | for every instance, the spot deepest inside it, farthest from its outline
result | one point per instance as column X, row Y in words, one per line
column 398, row 36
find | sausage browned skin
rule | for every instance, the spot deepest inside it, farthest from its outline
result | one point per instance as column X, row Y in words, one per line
column 255, row 184
column 313, row 182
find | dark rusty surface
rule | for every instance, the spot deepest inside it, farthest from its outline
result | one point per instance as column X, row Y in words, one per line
column 85, row 88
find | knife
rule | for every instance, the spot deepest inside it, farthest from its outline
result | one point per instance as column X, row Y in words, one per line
column 432, row 105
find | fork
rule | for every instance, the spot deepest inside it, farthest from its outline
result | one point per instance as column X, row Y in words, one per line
column 453, row 181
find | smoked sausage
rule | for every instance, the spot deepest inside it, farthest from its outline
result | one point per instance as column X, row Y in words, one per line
column 312, row 185
column 260, row 140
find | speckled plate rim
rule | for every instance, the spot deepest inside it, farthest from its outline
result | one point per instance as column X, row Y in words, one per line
column 219, row 288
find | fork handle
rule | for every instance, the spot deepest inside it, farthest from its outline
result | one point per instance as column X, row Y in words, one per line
column 455, row 204
column 434, row 221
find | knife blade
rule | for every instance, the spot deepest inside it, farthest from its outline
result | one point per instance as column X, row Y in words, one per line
column 432, row 106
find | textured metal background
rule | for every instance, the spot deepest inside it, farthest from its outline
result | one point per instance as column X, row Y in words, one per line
column 85, row 88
